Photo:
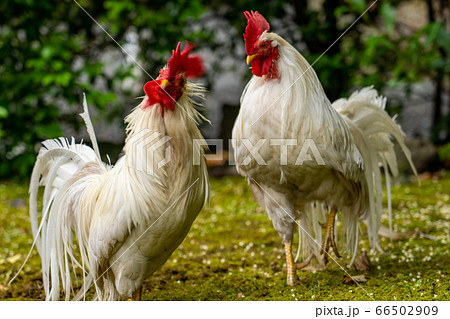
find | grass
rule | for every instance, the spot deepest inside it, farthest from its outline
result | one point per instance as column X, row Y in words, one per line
column 233, row 253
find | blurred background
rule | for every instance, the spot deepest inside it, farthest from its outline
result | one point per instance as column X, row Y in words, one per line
column 52, row 51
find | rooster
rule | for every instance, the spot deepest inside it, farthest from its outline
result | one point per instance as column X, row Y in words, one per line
column 305, row 157
column 127, row 219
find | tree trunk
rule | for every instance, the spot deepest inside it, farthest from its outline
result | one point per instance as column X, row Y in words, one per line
column 438, row 82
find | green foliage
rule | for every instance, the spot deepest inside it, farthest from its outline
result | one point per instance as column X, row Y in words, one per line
column 388, row 14
column 403, row 59
column 51, row 52
column 444, row 152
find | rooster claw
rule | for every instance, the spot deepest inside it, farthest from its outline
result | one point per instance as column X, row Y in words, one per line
column 304, row 263
column 329, row 241
column 292, row 281
column 137, row 295
column 362, row 263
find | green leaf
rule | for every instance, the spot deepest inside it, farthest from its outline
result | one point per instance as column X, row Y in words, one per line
column 340, row 11
column 443, row 40
column 433, row 32
column 63, row 78
column 3, row 112
column 358, row 5
column 48, row 79
column 51, row 130
column 388, row 14
column 47, row 52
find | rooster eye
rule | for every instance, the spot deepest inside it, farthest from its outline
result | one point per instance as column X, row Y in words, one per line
column 264, row 44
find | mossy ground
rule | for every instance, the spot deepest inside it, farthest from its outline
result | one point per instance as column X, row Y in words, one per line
column 233, row 253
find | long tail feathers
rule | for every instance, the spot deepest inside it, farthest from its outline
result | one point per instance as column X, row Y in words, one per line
column 90, row 127
column 372, row 130
column 365, row 111
column 58, row 160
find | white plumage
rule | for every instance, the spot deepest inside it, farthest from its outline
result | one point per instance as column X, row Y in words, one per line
column 126, row 220
column 353, row 137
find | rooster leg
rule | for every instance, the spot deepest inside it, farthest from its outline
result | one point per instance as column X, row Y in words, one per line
column 291, row 267
column 328, row 241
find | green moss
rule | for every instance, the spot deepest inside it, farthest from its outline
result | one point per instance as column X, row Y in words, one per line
column 233, row 253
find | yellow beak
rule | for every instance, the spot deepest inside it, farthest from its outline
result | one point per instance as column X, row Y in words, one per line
column 164, row 83
column 250, row 58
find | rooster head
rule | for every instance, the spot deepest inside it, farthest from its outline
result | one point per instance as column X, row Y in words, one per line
column 261, row 52
column 167, row 89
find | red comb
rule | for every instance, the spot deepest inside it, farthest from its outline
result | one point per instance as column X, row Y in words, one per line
column 256, row 25
column 181, row 62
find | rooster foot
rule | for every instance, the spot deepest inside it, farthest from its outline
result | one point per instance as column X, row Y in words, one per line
column 362, row 263
column 329, row 241
column 291, row 267
column 304, row 263
column 137, row 295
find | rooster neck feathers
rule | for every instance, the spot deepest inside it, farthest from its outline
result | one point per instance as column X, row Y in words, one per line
column 298, row 85
column 146, row 126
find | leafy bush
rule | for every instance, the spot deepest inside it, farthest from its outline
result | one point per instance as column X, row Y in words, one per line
column 52, row 52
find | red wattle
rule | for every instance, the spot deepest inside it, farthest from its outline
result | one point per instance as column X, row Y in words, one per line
column 261, row 65
column 164, row 97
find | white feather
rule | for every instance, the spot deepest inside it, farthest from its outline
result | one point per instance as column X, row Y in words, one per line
column 353, row 137
column 126, row 222
column 89, row 126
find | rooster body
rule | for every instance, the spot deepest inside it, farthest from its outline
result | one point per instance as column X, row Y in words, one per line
column 283, row 107
column 127, row 219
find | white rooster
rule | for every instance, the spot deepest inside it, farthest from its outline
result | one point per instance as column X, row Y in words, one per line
column 127, row 219
column 303, row 155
